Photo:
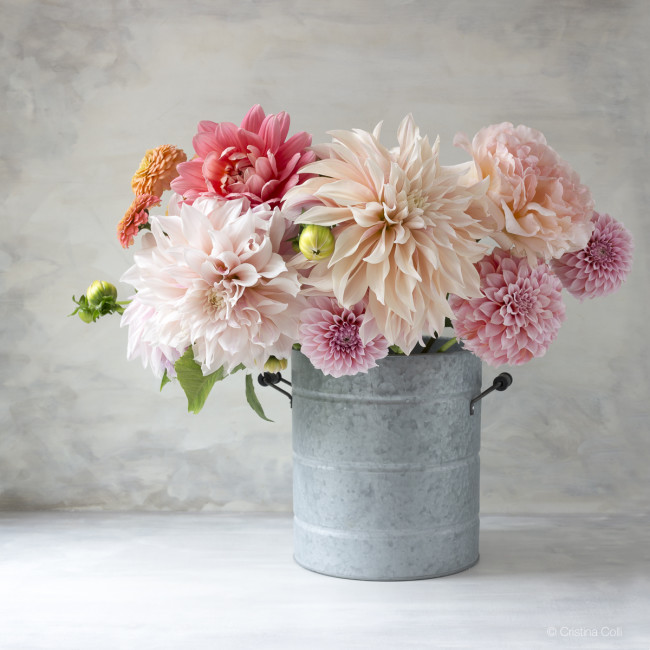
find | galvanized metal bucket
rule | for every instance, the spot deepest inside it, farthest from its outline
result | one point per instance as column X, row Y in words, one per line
column 386, row 467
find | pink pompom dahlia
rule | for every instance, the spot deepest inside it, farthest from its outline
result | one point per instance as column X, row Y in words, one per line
column 518, row 315
column 329, row 336
column 536, row 200
column 602, row 266
column 253, row 161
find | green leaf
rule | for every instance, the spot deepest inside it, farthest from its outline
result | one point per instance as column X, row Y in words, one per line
column 165, row 380
column 396, row 349
column 296, row 346
column 252, row 400
column 196, row 385
column 448, row 323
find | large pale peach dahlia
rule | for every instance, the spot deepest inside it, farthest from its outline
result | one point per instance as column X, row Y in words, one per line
column 404, row 239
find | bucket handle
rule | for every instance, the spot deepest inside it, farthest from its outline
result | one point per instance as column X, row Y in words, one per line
column 272, row 379
column 501, row 382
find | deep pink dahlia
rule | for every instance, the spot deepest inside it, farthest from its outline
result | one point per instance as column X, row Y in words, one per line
column 602, row 265
column 517, row 317
column 329, row 336
column 252, row 160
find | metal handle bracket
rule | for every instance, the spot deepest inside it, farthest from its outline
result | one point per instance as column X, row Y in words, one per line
column 501, row 382
column 272, row 379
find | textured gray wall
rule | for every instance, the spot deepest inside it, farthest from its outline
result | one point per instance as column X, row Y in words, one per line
column 87, row 87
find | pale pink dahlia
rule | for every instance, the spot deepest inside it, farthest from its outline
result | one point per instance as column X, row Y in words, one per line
column 253, row 160
column 214, row 281
column 403, row 235
column 329, row 336
column 144, row 340
column 518, row 315
column 537, row 203
column 603, row 265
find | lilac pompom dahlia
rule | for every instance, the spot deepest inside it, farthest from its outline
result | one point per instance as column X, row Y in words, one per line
column 518, row 315
column 602, row 265
column 329, row 337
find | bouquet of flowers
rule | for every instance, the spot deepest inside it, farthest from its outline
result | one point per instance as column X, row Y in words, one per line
column 351, row 251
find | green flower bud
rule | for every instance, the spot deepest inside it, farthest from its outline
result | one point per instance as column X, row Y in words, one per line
column 99, row 291
column 85, row 315
column 316, row 242
column 275, row 365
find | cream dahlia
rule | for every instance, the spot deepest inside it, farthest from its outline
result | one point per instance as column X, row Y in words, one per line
column 215, row 282
column 403, row 236
column 253, row 161
column 518, row 315
column 536, row 201
column 330, row 338
column 603, row 265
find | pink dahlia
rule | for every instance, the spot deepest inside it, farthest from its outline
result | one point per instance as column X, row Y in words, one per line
column 537, row 203
column 518, row 315
column 254, row 160
column 329, row 336
column 602, row 265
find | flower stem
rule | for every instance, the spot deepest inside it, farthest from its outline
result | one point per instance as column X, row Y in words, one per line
column 428, row 345
column 448, row 344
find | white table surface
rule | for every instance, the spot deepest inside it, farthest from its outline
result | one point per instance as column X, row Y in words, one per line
column 89, row 581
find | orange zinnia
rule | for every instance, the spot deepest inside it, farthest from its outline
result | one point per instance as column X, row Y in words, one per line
column 134, row 217
column 157, row 170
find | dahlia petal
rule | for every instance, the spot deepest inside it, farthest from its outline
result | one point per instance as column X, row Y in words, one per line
column 190, row 178
column 253, row 119
column 274, row 130
column 297, row 143
column 324, row 216
column 205, row 142
column 348, row 242
column 345, row 192
column 376, row 275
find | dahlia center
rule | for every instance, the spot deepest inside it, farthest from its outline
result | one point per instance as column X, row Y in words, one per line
column 418, row 201
column 346, row 337
column 522, row 302
column 407, row 211
column 216, row 303
column 235, row 172
column 601, row 251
